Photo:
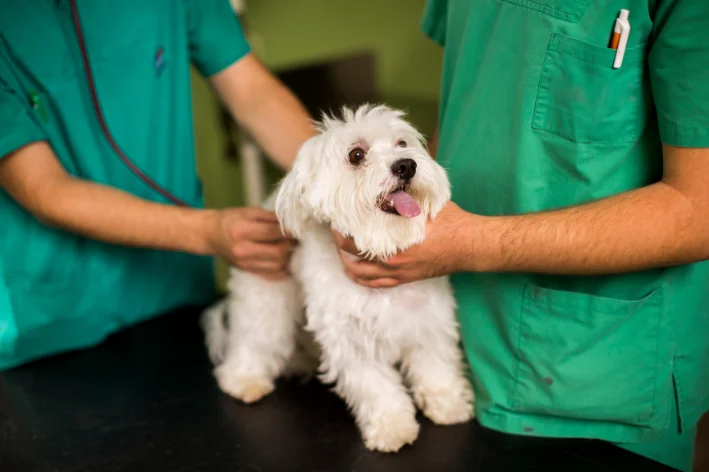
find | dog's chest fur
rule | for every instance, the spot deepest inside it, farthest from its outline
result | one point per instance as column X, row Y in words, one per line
column 393, row 318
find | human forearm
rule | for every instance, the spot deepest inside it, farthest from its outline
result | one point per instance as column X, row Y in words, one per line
column 655, row 226
column 113, row 216
column 280, row 126
column 36, row 180
column 651, row 227
column 267, row 109
column 659, row 225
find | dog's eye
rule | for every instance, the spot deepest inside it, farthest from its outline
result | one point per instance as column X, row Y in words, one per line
column 401, row 143
column 356, row 155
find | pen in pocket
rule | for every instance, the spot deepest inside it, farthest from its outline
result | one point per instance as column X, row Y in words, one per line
column 619, row 40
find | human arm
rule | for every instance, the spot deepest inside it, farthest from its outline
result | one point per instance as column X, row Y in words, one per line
column 658, row 225
column 248, row 238
column 266, row 108
column 663, row 224
column 254, row 96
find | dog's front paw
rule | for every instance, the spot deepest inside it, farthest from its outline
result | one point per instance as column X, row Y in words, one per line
column 443, row 412
column 247, row 388
column 389, row 432
column 446, row 407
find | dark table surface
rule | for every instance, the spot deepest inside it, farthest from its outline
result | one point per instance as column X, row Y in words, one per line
column 145, row 400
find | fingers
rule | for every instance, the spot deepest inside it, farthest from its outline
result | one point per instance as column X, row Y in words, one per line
column 259, row 214
column 254, row 224
column 370, row 274
column 365, row 270
column 365, row 273
column 379, row 283
column 345, row 244
column 259, row 266
column 257, row 230
column 269, row 268
column 249, row 250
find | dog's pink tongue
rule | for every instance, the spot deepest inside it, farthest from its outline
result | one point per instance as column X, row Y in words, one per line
column 404, row 204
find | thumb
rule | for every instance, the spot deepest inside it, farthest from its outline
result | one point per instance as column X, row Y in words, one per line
column 264, row 231
column 345, row 243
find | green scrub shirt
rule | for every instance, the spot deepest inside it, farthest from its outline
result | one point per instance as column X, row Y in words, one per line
column 59, row 291
column 533, row 117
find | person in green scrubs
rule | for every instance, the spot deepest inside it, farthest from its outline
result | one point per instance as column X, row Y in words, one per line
column 102, row 222
column 579, row 224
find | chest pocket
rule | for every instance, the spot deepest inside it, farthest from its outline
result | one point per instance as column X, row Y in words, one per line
column 581, row 97
column 567, row 10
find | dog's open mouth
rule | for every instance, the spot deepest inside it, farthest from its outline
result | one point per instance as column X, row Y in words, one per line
column 400, row 202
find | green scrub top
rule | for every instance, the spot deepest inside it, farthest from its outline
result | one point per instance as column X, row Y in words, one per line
column 533, row 117
column 58, row 291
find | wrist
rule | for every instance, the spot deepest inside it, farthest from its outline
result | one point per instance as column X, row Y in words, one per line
column 479, row 239
column 203, row 225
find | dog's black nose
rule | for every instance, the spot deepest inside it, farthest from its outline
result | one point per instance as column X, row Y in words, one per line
column 404, row 168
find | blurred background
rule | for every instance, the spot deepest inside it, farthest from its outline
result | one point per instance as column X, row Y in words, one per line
column 330, row 53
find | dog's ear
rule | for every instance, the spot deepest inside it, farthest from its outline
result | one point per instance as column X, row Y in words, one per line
column 291, row 207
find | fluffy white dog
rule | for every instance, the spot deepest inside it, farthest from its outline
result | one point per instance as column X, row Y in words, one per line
column 367, row 175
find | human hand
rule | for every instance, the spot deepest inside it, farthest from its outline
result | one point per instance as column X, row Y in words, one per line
column 251, row 239
column 443, row 252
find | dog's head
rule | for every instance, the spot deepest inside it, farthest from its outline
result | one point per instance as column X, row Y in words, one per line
column 369, row 176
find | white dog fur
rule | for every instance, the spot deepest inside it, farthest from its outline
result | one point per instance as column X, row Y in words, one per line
column 375, row 345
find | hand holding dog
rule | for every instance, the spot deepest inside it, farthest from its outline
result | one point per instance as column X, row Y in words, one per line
column 441, row 253
column 250, row 239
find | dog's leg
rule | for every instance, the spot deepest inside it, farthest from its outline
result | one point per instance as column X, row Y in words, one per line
column 436, row 375
column 262, row 319
column 215, row 332
column 371, row 387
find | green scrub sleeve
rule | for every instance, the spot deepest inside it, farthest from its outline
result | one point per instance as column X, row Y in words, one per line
column 216, row 38
column 434, row 20
column 17, row 126
column 679, row 71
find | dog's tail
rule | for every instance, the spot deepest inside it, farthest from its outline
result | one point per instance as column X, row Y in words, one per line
column 215, row 331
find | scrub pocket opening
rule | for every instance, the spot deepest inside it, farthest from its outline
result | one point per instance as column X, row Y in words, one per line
column 592, row 358
column 581, row 97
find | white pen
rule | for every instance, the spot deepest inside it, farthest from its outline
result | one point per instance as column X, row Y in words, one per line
column 619, row 42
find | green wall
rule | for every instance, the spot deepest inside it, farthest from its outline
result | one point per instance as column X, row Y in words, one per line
column 289, row 33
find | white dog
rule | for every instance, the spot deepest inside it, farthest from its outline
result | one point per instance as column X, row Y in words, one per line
column 367, row 175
